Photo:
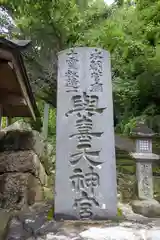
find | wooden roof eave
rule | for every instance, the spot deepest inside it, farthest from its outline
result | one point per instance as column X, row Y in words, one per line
column 15, row 44
column 19, row 69
column 27, row 85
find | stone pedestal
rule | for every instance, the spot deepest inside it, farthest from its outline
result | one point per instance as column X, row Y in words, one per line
column 146, row 205
column 148, row 208
column 144, row 174
column 144, row 179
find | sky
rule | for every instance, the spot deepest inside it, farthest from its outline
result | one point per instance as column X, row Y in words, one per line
column 109, row 1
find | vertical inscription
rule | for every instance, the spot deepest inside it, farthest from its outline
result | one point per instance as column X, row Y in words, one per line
column 96, row 70
column 85, row 184
column 84, row 106
column 145, row 181
column 80, row 181
column 72, row 75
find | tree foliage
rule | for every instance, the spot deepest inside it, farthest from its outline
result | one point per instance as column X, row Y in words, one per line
column 130, row 30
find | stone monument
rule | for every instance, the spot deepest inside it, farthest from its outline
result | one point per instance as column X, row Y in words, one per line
column 85, row 186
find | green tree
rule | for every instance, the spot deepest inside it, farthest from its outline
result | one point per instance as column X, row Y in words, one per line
column 52, row 26
column 130, row 30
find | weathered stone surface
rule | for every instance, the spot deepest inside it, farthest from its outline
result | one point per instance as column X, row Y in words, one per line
column 5, row 215
column 148, row 208
column 129, row 215
column 118, row 233
column 156, row 181
column 121, row 233
column 85, row 159
column 144, row 180
column 18, row 190
column 33, row 238
column 34, row 222
column 35, row 190
column 22, row 161
column 18, row 125
column 15, row 230
column 33, row 225
column 20, row 136
column 94, row 231
column 36, row 226
column 127, row 187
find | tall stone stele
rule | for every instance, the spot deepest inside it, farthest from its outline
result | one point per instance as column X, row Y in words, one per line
column 85, row 186
column 144, row 160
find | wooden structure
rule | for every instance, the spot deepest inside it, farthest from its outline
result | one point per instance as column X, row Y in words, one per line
column 16, row 97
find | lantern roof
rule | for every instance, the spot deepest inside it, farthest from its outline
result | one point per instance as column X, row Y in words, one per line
column 142, row 130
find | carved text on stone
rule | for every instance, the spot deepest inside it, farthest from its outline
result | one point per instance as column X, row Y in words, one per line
column 96, row 70
column 84, row 107
column 145, row 179
column 72, row 74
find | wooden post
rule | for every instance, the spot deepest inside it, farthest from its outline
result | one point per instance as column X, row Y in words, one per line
column 45, row 120
column 8, row 121
column 0, row 116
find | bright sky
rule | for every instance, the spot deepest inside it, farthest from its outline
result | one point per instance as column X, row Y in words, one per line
column 109, row 1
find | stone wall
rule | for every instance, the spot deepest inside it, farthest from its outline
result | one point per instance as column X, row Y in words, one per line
column 22, row 172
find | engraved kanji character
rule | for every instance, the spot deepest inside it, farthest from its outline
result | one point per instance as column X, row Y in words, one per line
column 96, row 70
column 91, row 156
column 86, row 103
column 85, row 107
column 84, row 203
column 85, row 210
column 72, row 60
column 97, row 54
column 72, row 79
column 81, row 181
column 72, row 76
column 92, row 180
column 84, row 134
column 96, row 87
column 77, row 180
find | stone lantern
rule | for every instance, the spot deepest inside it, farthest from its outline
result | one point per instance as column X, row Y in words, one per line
column 144, row 157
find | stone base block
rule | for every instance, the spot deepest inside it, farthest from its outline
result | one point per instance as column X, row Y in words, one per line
column 147, row 208
column 23, row 161
column 20, row 136
column 5, row 216
column 18, row 190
